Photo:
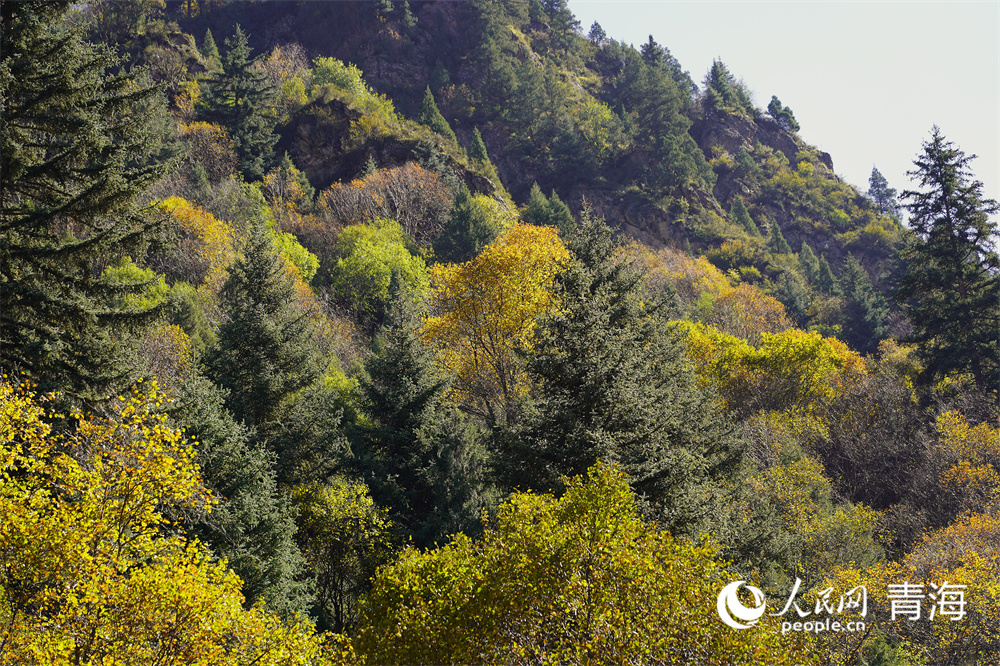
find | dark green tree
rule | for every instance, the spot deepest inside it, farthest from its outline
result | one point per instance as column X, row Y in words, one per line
column 477, row 149
column 544, row 211
column 738, row 213
column 809, row 262
column 883, row 196
column 951, row 282
column 468, row 230
column 251, row 524
column 421, row 458
column 431, row 117
column 826, row 279
column 264, row 354
column 776, row 242
column 239, row 99
column 597, row 36
column 724, row 94
column 613, row 384
column 866, row 314
column 782, row 115
column 80, row 146
column 209, row 49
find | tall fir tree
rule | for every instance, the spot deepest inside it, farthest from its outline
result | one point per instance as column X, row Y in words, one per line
column 866, row 314
column 776, row 242
column 810, row 263
column 825, row 279
column 613, row 385
column 431, row 117
column 264, row 353
column 477, row 149
column 421, row 458
column 239, row 99
column 80, row 147
column 738, row 213
column 951, row 282
column 468, row 230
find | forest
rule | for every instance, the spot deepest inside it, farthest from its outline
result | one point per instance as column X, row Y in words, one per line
column 434, row 332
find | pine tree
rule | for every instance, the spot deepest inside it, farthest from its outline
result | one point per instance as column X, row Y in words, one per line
column 776, row 242
column 431, row 117
column 239, row 99
column 468, row 230
column 477, row 149
column 809, row 262
column 866, row 314
column 613, row 385
column 251, row 524
column 80, row 147
column 210, row 50
column 264, row 353
column 826, row 279
column 537, row 210
column 951, row 285
column 738, row 213
column 883, row 196
column 419, row 455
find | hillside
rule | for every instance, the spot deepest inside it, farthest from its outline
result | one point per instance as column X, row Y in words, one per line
column 442, row 332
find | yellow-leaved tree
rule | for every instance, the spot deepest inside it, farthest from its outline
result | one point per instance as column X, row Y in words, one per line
column 485, row 309
column 93, row 573
column 581, row 579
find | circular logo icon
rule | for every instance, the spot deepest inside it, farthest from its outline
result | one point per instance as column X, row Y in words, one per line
column 730, row 606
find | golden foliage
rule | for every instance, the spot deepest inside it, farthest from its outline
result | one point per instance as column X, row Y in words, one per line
column 93, row 572
column 210, row 146
column 485, row 309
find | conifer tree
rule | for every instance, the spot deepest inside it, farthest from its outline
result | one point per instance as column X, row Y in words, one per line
column 468, row 230
column 826, row 279
column 809, row 262
column 431, row 117
column 239, row 99
column 264, row 353
column 80, row 147
column 537, row 210
column 776, row 242
column 866, row 314
column 951, row 285
column 614, row 385
column 209, row 49
column 477, row 149
column 421, row 458
column 738, row 213
column 883, row 196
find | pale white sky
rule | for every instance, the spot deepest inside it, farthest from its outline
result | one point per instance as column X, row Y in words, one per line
column 866, row 80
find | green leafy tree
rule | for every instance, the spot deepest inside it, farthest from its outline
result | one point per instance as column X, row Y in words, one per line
column 80, row 147
column 866, row 314
column 239, row 99
column 431, row 116
column 951, row 284
column 883, row 196
column 613, row 384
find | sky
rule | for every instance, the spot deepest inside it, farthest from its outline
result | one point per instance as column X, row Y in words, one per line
column 865, row 80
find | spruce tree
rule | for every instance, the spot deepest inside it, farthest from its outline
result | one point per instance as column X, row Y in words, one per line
column 809, row 262
column 239, row 99
column 80, row 146
column 776, row 242
column 477, row 149
column 866, row 314
column 421, row 458
column 826, row 279
column 738, row 213
column 210, row 50
column 431, row 117
column 537, row 210
column 613, row 384
column 468, row 230
column 951, row 284
column 264, row 354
